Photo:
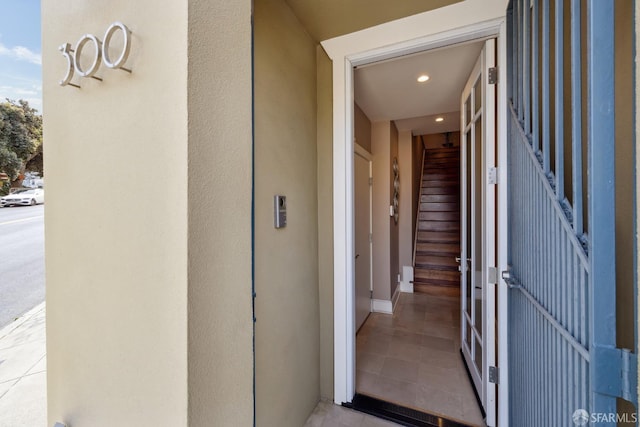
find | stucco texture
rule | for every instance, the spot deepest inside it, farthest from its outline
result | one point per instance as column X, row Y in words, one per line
column 116, row 220
column 286, row 259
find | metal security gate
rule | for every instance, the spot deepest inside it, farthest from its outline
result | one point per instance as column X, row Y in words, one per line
column 565, row 368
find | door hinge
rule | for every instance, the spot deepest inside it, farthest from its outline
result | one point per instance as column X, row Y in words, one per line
column 493, row 275
column 494, row 375
column 492, row 175
column 493, row 75
column 616, row 372
column 370, row 180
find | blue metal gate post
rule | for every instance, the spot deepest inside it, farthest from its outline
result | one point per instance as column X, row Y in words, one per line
column 603, row 369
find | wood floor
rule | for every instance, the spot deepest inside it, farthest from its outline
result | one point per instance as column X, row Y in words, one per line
column 436, row 270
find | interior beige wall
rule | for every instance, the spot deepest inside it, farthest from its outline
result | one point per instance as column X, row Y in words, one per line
column 219, row 210
column 117, row 267
column 286, row 260
column 394, row 260
column 381, row 151
column 325, row 218
column 435, row 140
column 416, row 180
column 405, row 222
column 361, row 128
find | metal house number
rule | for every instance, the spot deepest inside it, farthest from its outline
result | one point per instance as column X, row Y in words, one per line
column 101, row 54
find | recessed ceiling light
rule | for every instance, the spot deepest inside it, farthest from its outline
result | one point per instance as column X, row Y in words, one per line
column 423, row 78
column 440, row 119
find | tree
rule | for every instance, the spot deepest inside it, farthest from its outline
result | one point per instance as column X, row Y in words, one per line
column 20, row 138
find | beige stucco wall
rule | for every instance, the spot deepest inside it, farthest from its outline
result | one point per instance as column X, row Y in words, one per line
column 148, row 315
column 219, row 209
column 325, row 219
column 286, row 260
column 116, row 220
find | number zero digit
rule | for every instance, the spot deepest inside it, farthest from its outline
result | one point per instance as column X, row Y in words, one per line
column 97, row 59
column 124, row 55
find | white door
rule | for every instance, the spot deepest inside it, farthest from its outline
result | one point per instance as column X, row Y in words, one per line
column 478, row 228
column 362, row 220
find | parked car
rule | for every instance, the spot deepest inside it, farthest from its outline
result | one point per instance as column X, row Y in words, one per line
column 23, row 197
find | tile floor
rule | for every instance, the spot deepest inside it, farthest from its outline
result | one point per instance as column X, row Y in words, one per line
column 413, row 358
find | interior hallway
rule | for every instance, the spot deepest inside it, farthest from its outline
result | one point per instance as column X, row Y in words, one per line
column 413, row 358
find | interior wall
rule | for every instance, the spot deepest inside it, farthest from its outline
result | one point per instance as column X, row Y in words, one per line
column 116, row 273
column 219, row 209
column 286, row 260
column 381, row 151
column 394, row 259
column 325, row 218
column 436, row 140
column 361, row 128
column 416, row 181
column 405, row 223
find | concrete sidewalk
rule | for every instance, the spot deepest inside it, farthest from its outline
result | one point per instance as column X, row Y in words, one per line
column 23, row 371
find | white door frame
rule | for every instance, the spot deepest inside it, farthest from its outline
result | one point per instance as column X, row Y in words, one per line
column 405, row 36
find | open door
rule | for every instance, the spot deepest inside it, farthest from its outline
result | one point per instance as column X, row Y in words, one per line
column 478, row 229
column 363, row 253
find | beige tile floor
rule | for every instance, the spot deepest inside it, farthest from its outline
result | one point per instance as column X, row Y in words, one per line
column 413, row 358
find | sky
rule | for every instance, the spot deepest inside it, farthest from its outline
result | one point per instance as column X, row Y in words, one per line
column 20, row 51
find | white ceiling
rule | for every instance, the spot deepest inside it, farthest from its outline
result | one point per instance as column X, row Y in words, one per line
column 389, row 90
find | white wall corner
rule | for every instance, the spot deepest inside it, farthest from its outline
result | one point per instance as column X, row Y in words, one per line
column 406, row 284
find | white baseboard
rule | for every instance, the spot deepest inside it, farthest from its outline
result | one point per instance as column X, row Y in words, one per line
column 395, row 298
column 406, row 285
column 382, row 306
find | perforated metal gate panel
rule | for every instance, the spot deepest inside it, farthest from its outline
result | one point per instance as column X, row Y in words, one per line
column 562, row 332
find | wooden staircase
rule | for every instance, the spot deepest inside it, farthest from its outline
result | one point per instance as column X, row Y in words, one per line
column 438, row 240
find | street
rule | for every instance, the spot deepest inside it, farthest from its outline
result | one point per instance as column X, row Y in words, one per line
column 21, row 260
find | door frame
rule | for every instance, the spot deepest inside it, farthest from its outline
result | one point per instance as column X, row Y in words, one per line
column 397, row 38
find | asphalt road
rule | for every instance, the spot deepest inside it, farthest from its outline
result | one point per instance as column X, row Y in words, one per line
column 21, row 260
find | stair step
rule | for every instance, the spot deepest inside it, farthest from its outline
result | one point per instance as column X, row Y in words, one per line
column 439, row 226
column 438, row 237
column 451, row 170
column 440, row 153
column 441, row 190
column 441, row 183
column 436, row 262
column 439, row 198
column 439, row 207
column 438, row 249
column 443, row 275
column 440, row 176
column 439, row 216
column 443, row 150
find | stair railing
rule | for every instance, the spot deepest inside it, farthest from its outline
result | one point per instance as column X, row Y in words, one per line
column 415, row 237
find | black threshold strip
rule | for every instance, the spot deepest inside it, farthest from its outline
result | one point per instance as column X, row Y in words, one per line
column 398, row 414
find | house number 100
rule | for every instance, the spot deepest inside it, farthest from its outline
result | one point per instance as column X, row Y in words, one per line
column 101, row 54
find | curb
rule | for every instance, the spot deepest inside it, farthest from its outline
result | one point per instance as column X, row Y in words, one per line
column 20, row 320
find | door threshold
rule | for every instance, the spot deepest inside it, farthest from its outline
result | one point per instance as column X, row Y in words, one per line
column 402, row 415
